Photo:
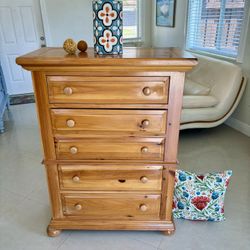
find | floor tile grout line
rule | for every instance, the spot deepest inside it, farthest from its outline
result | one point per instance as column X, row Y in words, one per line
column 142, row 241
column 63, row 241
column 159, row 246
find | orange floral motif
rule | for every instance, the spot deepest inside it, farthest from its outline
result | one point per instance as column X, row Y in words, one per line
column 108, row 40
column 107, row 14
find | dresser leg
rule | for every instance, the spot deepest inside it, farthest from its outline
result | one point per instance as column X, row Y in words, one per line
column 168, row 232
column 52, row 232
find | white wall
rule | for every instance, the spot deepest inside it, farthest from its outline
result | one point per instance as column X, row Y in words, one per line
column 69, row 19
column 242, row 113
column 170, row 37
column 73, row 19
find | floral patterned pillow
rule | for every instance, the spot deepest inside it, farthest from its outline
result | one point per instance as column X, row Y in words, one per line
column 200, row 197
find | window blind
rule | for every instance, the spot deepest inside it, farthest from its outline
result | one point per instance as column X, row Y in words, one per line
column 215, row 26
column 131, row 29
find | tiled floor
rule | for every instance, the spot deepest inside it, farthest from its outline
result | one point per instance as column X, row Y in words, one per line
column 24, row 205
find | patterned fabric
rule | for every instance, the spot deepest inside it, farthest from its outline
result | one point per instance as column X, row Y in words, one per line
column 107, row 15
column 200, row 197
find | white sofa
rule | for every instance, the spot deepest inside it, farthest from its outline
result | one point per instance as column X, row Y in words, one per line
column 211, row 94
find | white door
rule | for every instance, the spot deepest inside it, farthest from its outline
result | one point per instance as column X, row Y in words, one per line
column 21, row 31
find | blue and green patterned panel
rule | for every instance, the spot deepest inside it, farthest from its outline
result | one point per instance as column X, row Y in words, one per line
column 107, row 17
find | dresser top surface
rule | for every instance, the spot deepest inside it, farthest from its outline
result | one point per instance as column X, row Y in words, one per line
column 130, row 57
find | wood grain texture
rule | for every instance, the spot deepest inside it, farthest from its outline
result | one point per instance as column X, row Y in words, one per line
column 112, row 206
column 122, row 106
column 141, row 225
column 73, row 121
column 41, row 97
column 110, row 149
column 108, row 89
column 174, row 115
column 110, row 177
column 170, row 192
column 110, row 130
column 131, row 57
column 39, row 83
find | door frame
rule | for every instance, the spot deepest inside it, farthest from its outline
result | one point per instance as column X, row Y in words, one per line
column 45, row 21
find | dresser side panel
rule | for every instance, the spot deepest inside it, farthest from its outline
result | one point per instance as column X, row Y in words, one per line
column 174, row 115
column 41, row 96
column 172, row 139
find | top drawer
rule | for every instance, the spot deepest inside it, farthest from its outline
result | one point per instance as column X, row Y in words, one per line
column 130, row 90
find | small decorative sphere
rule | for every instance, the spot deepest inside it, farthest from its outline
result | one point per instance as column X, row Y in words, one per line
column 82, row 46
column 70, row 46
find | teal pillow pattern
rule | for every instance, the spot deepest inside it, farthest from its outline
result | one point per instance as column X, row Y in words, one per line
column 200, row 197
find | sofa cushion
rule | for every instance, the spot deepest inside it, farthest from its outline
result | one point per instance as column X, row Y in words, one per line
column 196, row 101
column 195, row 88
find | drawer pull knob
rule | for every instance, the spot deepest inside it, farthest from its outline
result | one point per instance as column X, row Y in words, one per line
column 78, row 207
column 76, row 178
column 144, row 179
column 70, row 123
column 68, row 91
column 145, row 123
column 73, row 150
column 147, row 91
column 144, row 150
column 143, row 208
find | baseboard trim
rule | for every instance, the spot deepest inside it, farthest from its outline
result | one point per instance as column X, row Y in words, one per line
column 240, row 126
column 22, row 99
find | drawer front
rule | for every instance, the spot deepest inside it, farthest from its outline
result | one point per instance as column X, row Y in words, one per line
column 112, row 206
column 73, row 89
column 110, row 177
column 111, row 149
column 67, row 121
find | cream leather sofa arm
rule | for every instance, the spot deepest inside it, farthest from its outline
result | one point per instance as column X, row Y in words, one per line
column 226, row 84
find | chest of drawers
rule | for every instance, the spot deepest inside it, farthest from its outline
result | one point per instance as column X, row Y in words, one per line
column 109, row 127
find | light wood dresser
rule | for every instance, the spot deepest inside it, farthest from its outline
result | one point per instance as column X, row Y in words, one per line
column 110, row 129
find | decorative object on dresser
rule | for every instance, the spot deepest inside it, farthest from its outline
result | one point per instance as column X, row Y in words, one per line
column 4, row 99
column 110, row 129
column 108, row 26
column 82, row 46
column 70, row 46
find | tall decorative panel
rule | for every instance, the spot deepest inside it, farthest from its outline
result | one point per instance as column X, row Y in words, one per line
column 108, row 26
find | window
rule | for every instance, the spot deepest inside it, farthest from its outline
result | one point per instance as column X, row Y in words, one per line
column 131, row 20
column 215, row 26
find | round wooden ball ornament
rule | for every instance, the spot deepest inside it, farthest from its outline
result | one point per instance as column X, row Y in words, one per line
column 70, row 46
column 82, row 46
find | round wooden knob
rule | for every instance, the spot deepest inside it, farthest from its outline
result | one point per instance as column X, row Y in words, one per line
column 78, row 207
column 73, row 150
column 68, row 91
column 144, row 179
column 144, row 150
column 70, row 123
column 145, row 123
column 147, row 91
column 143, row 208
column 76, row 178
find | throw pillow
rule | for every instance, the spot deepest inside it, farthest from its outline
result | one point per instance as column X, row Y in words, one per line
column 200, row 197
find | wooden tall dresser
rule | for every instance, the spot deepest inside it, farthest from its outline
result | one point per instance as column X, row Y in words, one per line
column 110, row 128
